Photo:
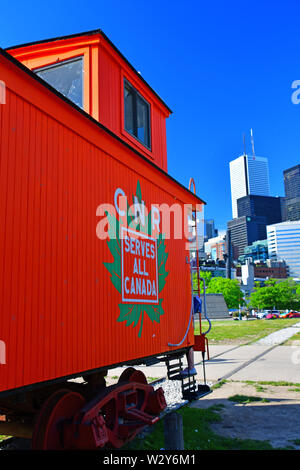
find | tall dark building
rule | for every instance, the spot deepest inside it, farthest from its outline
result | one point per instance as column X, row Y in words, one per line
column 292, row 208
column 244, row 231
column 260, row 206
column 209, row 229
column 292, row 182
column 291, row 203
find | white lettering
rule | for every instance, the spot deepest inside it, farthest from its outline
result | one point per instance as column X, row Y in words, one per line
column 132, row 290
column 145, row 272
column 135, row 268
column 154, row 289
column 126, row 288
column 127, row 246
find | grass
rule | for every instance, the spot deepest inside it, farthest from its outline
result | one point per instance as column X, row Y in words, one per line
column 198, row 434
column 244, row 332
column 260, row 385
column 149, row 379
column 280, row 383
column 244, row 399
column 291, row 340
column 218, row 384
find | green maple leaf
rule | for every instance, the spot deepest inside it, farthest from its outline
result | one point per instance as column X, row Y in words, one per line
column 162, row 257
column 132, row 313
column 114, row 245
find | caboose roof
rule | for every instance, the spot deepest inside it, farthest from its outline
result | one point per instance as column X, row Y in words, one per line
column 6, row 53
column 90, row 33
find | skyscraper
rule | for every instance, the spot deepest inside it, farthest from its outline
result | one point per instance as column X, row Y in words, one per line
column 248, row 175
column 209, row 229
column 292, row 182
column 260, row 206
column 291, row 203
column 284, row 244
column 244, row 231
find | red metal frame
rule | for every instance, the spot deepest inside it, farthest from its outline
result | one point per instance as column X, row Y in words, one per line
column 110, row 419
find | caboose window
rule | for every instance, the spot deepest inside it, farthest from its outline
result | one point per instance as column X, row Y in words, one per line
column 137, row 114
column 66, row 77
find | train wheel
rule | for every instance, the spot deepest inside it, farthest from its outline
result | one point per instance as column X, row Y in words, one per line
column 133, row 375
column 60, row 406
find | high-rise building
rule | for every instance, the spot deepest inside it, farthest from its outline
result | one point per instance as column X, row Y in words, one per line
column 291, row 178
column 284, row 244
column 291, row 202
column 209, row 229
column 215, row 247
column 260, row 206
column 244, row 231
column 248, row 175
column 257, row 251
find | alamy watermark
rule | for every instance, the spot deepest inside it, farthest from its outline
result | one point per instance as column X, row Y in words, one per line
column 296, row 94
column 295, row 358
column 176, row 221
column 2, row 92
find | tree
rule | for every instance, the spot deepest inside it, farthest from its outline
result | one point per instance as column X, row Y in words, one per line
column 206, row 275
column 281, row 295
column 230, row 289
column 263, row 297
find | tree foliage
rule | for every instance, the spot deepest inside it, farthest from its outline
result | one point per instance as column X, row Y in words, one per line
column 230, row 289
column 206, row 275
column 280, row 295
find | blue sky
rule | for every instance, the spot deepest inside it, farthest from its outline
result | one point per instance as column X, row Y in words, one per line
column 223, row 67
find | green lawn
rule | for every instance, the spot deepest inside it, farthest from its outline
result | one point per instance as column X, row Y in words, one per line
column 197, row 434
column 243, row 332
column 290, row 341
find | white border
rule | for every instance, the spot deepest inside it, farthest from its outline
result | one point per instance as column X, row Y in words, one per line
column 140, row 234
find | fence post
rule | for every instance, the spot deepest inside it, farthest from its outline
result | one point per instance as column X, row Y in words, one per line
column 173, row 431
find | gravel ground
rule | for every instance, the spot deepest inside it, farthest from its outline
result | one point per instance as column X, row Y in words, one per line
column 279, row 337
column 173, row 394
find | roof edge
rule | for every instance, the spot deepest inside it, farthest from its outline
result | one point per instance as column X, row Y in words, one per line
column 89, row 33
column 97, row 123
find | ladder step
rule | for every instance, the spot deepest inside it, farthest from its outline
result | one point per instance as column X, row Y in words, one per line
column 173, row 366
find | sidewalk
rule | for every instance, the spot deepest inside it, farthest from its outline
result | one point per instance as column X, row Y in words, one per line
column 263, row 360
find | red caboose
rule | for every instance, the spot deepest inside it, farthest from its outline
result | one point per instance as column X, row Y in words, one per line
column 94, row 265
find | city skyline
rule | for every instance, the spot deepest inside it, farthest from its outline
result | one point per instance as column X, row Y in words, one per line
column 218, row 87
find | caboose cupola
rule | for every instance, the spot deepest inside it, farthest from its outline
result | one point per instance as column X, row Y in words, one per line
column 93, row 74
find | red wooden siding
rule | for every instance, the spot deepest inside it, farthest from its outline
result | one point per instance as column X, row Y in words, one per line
column 58, row 306
column 104, row 71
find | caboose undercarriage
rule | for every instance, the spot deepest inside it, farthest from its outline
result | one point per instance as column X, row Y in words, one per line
column 88, row 414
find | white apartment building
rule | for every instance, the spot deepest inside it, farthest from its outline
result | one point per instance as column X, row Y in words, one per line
column 284, row 244
column 248, row 175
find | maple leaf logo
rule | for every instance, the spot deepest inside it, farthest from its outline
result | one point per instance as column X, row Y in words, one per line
column 133, row 312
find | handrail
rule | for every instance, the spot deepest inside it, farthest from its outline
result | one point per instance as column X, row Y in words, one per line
column 191, row 314
column 205, row 311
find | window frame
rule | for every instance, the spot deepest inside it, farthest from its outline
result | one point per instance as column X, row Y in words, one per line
column 63, row 62
column 136, row 94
